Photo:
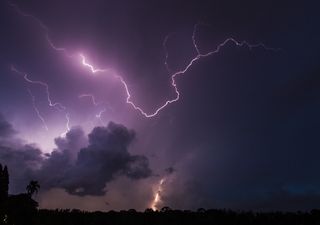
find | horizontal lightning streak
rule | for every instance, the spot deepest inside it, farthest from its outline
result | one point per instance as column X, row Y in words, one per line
column 174, row 75
column 94, row 70
column 91, row 96
column 198, row 56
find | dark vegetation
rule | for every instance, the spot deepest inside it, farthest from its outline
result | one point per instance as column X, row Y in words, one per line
column 175, row 217
column 17, row 209
column 21, row 209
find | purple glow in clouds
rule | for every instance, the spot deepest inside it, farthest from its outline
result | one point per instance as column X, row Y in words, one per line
column 94, row 70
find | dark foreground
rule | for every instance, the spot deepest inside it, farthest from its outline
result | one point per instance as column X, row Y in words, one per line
column 22, row 209
column 168, row 217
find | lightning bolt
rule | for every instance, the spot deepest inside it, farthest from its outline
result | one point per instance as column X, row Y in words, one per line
column 33, row 98
column 96, row 103
column 164, row 45
column 91, row 96
column 199, row 55
column 157, row 195
column 43, row 27
column 83, row 60
column 56, row 105
column 98, row 116
column 92, row 69
column 64, row 134
column 174, row 75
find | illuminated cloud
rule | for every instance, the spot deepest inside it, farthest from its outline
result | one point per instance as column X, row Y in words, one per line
column 79, row 165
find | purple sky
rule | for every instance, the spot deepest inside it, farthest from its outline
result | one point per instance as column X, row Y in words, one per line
column 218, row 100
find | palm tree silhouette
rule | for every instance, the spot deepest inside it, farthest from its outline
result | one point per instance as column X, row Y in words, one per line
column 33, row 187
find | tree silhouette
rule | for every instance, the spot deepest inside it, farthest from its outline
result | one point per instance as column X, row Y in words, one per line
column 165, row 209
column 33, row 187
column 4, row 183
column 21, row 209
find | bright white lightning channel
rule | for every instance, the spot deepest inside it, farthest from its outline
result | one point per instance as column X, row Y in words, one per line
column 84, row 61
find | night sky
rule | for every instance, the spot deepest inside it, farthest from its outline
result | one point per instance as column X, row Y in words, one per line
column 243, row 133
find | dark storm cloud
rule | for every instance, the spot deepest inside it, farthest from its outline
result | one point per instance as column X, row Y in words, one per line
column 71, row 144
column 22, row 161
column 248, row 119
column 75, row 139
column 286, row 200
column 105, row 157
column 6, row 128
column 251, row 141
column 169, row 170
column 82, row 171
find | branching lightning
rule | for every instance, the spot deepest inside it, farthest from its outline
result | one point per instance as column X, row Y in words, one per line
column 91, row 96
column 43, row 27
column 98, row 116
column 92, row 69
column 96, row 103
column 199, row 55
column 174, row 75
column 85, row 62
column 56, row 105
column 37, row 110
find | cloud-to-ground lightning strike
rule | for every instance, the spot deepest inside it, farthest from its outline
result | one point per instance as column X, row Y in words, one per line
column 33, row 98
column 157, row 195
column 173, row 76
column 86, row 64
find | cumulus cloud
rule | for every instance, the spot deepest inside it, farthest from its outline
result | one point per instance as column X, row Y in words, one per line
column 105, row 157
column 80, row 165
column 71, row 144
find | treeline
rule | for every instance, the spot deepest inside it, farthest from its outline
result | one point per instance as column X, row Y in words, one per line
column 21, row 209
column 175, row 217
column 18, row 209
